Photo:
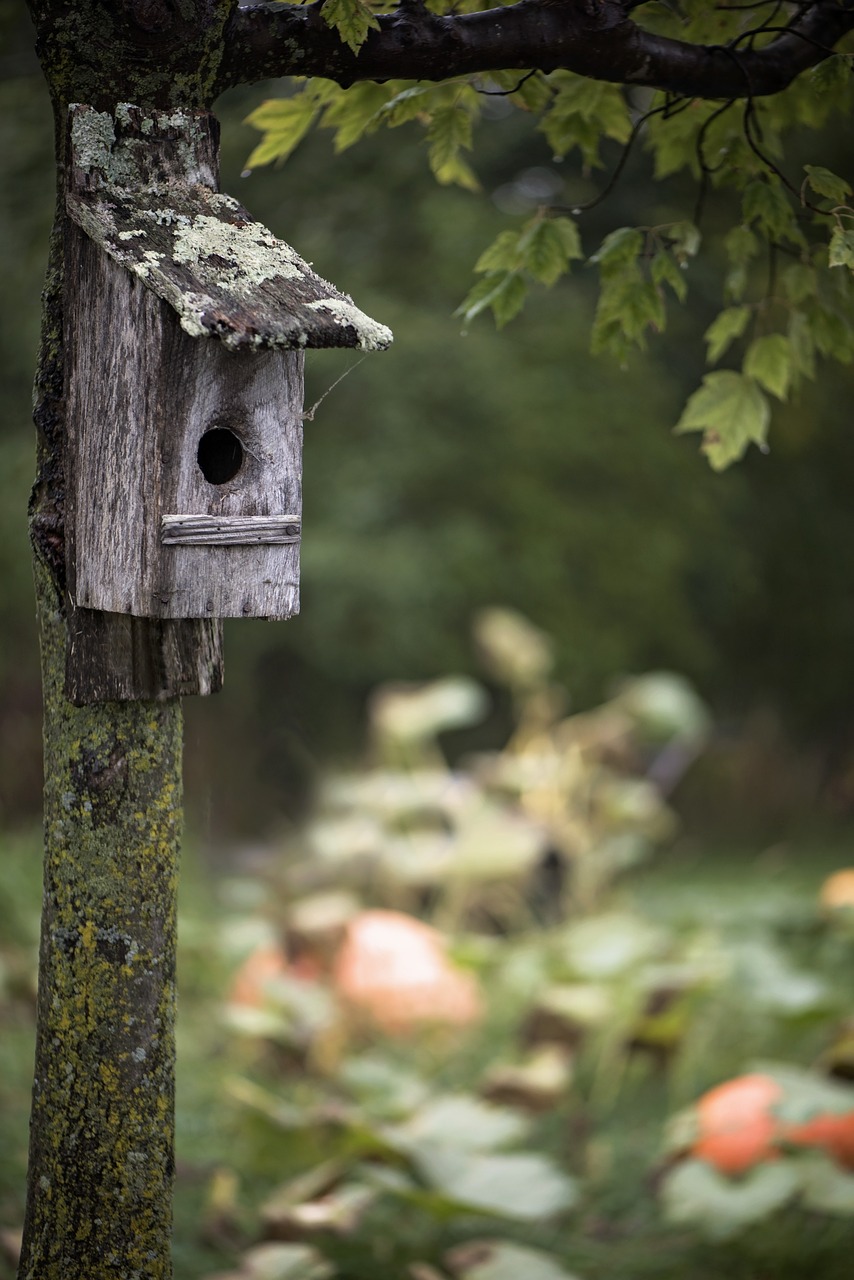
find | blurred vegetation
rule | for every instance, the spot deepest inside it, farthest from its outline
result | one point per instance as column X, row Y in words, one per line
column 459, row 1024
column 455, row 472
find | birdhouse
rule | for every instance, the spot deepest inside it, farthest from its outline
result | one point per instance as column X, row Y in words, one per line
column 186, row 324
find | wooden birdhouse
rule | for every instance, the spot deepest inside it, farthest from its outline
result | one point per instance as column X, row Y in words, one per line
column 186, row 324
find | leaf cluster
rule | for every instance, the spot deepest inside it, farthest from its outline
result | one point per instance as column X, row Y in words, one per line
column 786, row 281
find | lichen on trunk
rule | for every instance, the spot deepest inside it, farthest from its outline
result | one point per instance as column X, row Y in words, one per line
column 101, row 1148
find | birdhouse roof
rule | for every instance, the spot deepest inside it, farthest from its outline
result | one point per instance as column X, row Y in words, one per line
column 225, row 275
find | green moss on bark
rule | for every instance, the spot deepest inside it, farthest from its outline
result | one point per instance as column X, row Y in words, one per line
column 101, row 1147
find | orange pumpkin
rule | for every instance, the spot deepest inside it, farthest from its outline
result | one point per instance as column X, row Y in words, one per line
column 835, row 1133
column 737, row 1127
column 837, row 892
column 394, row 969
column 260, row 970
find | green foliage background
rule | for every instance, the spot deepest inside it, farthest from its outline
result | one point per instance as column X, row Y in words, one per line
column 461, row 470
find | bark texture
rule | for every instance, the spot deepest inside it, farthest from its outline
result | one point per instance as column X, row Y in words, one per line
column 595, row 38
column 101, row 1136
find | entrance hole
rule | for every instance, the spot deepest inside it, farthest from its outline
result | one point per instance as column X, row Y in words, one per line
column 220, row 455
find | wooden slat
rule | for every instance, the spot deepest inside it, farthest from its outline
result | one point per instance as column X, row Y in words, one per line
column 228, row 531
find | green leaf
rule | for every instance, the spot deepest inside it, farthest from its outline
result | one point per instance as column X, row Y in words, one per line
column 548, row 246
column 799, row 282
column 664, row 270
column 766, row 204
column 524, row 1186
column 831, row 77
column 458, row 172
column 831, row 332
column 724, row 329
column 499, row 1260
column 673, row 139
column 841, row 251
column 533, row 95
column 285, row 1262
column 509, row 300
column 503, row 292
column 628, row 306
column 405, row 106
column 608, row 945
column 741, row 245
column 582, row 111
column 826, row 1187
column 460, row 1121
column 530, row 92
column 686, row 239
column 618, row 249
column 769, row 361
column 570, row 237
column 826, row 183
column 731, row 411
column 355, row 112
column 802, row 343
column 451, row 130
column 502, row 255
column 695, row 1193
column 386, row 1087
column 352, row 19
column 543, row 248
column 285, row 122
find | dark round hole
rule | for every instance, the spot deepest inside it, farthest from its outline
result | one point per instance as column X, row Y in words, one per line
column 220, row 455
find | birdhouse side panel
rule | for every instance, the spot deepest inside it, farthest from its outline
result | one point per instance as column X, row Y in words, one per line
column 120, row 383
column 232, row 486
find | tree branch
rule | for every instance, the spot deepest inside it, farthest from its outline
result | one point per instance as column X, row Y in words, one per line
column 594, row 38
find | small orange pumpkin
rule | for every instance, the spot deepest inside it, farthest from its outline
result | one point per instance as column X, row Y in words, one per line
column 394, row 968
column 736, row 1127
column 833, row 1132
column 260, row 970
column 837, row 892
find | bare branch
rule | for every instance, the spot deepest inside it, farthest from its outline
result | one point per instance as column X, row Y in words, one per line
column 594, row 38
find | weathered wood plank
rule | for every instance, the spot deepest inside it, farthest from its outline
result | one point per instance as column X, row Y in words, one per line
column 224, row 531
column 113, row 657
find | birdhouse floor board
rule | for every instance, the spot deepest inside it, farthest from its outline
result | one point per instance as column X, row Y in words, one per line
column 112, row 657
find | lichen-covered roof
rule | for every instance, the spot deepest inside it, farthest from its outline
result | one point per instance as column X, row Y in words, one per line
column 225, row 274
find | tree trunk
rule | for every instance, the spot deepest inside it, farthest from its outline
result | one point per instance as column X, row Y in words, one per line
column 102, row 1128
column 101, row 1137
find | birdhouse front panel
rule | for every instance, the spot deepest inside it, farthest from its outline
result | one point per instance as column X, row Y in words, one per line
column 189, row 504
column 231, row 491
